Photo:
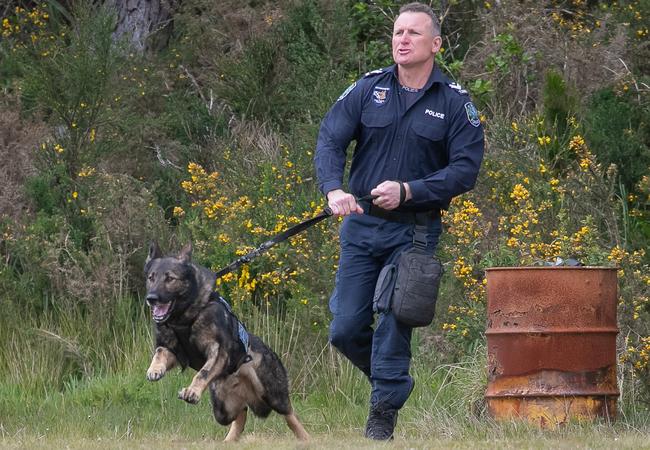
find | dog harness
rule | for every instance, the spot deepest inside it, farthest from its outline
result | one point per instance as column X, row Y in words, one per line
column 238, row 330
column 241, row 329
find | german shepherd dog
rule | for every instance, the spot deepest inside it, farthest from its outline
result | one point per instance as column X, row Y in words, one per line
column 195, row 327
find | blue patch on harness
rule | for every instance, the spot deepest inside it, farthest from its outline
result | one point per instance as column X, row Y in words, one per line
column 241, row 329
column 243, row 336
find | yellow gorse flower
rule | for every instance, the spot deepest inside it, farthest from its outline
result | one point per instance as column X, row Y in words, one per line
column 576, row 143
column 519, row 193
column 86, row 172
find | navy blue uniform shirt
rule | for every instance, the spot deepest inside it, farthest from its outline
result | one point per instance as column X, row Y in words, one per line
column 435, row 144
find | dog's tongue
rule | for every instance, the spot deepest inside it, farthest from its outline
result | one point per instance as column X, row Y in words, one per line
column 159, row 310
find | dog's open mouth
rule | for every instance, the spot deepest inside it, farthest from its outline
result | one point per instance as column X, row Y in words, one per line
column 161, row 311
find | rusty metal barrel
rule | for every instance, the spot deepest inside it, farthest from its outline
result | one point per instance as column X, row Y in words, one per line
column 551, row 338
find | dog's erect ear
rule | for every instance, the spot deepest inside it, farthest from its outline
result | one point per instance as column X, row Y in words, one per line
column 185, row 254
column 154, row 252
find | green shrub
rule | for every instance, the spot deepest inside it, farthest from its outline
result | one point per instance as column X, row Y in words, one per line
column 70, row 75
column 559, row 103
column 289, row 73
column 372, row 29
column 618, row 128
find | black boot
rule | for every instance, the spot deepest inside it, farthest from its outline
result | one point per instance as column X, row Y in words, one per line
column 381, row 422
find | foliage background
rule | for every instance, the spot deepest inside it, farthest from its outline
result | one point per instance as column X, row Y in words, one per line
column 211, row 140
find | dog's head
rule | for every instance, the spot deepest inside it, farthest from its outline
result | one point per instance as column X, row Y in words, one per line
column 171, row 282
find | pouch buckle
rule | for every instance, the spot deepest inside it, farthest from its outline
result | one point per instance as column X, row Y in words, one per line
column 420, row 237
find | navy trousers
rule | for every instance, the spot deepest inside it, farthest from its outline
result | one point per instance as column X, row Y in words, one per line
column 383, row 353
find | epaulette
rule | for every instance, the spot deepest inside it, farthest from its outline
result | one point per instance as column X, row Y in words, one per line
column 372, row 73
column 457, row 87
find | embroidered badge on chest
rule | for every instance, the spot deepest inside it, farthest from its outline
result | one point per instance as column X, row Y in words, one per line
column 380, row 95
column 472, row 114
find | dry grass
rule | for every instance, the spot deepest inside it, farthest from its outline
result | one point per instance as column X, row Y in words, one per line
column 584, row 63
column 19, row 139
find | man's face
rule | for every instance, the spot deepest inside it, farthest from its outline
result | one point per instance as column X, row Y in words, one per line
column 413, row 39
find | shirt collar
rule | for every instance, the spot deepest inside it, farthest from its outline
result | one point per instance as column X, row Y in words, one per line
column 436, row 76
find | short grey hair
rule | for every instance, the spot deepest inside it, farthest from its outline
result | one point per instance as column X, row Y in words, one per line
column 418, row 7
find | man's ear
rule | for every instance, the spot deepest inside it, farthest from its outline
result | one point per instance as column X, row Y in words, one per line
column 437, row 44
column 185, row 254
column 154, row 252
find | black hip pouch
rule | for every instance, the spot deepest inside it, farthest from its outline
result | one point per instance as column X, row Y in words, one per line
column 416, row 288
column 410, row 287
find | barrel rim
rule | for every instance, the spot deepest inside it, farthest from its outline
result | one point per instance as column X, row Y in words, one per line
column 508, row 395
column 550, row 330
column 498, row 269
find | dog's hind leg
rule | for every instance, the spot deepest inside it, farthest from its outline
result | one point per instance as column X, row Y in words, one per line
column 296, row 427
column 236, row 427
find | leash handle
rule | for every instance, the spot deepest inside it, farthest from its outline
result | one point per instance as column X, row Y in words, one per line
column 367, row 198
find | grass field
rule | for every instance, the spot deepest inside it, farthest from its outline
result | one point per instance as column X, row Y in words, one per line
column 114, row 406
column 445, row 410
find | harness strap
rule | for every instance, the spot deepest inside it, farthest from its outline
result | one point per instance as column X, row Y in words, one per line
column 239, row 329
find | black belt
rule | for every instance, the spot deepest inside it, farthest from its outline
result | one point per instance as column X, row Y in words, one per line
column 409, row 217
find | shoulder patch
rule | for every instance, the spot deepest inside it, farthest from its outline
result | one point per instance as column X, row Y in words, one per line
column 347, row 91
column 457, row 87
column 472, row 114
column 373, row 73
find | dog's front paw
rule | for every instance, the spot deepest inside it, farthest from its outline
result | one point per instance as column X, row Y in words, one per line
column 155, row 374
column 190, row 395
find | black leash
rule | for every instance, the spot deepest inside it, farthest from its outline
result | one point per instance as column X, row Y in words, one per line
column 327, row 212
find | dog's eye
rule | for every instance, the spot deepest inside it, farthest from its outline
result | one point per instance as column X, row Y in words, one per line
column 168, row 278
column 151, row 276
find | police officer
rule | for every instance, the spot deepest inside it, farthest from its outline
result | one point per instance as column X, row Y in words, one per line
column 419, row 143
